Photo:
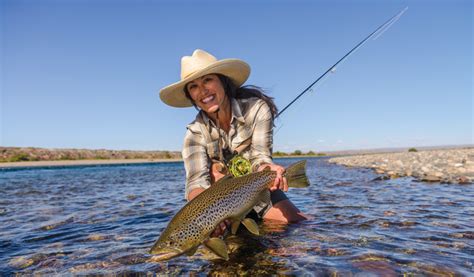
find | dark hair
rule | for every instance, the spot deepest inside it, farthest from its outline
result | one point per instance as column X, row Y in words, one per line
column 244, row 92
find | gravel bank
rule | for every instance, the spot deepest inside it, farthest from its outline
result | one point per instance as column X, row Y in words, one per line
column 446, row 166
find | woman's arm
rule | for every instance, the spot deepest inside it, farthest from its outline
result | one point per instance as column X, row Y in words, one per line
column 262, row 146
column 262, row 136
column 196, row 164
column 195, row 192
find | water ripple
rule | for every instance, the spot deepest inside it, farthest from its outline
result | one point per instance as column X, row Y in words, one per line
column 103, row 220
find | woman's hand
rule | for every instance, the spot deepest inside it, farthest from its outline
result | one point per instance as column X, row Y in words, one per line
column 220, row 229
column 280, row 181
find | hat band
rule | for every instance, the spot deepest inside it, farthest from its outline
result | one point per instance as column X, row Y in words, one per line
column 189, row 74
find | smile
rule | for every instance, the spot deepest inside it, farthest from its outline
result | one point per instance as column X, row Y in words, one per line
column 208, row 99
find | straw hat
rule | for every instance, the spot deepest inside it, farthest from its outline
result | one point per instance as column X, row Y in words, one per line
column 199, row 64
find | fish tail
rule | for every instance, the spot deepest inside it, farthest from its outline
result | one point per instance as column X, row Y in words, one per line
column 296, row 175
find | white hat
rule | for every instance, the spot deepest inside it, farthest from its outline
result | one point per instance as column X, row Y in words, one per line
column 199, row 64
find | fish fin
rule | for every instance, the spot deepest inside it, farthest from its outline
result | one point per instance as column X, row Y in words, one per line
column 218, row 246
column 251, row 225
column 296, row 175
column 191, row 251
column 235, row 226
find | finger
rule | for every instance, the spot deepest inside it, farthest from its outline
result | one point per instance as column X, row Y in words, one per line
column 280, row 173
column 283, row 181
column 272, row 188
column 275, row 185
column 285, row 184
column 282, row 184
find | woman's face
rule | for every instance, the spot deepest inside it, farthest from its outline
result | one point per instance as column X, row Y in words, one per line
column 207, row 92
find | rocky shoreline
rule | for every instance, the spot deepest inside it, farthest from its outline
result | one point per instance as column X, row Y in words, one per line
column 455, row 166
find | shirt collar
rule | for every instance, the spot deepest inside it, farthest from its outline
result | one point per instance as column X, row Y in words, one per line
column 236, row 111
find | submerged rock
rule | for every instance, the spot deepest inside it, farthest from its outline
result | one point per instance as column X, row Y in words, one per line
column 27, row 261
column 21, row 262
column 431, row 178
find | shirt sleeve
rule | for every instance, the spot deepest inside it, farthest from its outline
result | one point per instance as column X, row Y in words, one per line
column 196, row 162
column 262, row 138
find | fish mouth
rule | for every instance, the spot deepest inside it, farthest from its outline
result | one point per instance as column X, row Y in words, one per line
column 163, row 254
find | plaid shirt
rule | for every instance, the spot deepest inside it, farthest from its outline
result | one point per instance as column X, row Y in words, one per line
column 250, row 118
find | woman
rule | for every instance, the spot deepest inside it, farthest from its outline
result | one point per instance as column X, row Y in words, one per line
column 231, row 120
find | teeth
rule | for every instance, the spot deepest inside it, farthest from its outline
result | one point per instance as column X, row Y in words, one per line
column 208, row 99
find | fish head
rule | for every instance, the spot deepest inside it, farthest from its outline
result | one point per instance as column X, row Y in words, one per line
column 165, row 250
column 178, row 238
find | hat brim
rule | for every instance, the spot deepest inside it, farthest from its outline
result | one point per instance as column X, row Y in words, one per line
column 237, row 70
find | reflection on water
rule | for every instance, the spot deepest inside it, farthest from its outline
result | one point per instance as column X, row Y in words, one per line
column 104, row 219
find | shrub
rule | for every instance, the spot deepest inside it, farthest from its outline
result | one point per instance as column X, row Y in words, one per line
column 279, row 153
column 65, row 157
column 21, row 157
column 412, row 150
column 297, row 153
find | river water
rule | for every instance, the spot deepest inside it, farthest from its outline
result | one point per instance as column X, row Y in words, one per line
column 103, row 220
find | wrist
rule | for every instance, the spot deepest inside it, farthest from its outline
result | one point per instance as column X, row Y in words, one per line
column 261, row 166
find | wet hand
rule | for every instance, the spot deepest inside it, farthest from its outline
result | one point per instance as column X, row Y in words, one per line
column 221, row 228
column 280, row 181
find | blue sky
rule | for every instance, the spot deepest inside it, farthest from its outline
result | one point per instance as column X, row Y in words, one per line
column 86, row 74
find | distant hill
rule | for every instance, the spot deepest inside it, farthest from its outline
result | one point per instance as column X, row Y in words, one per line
column 29, row 154
column 19, row 154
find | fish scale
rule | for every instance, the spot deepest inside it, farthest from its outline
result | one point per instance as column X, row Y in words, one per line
column 229, row 198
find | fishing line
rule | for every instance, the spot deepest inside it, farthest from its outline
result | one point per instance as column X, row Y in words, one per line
column 276, row 131
column 395, row 19
column 379, row 31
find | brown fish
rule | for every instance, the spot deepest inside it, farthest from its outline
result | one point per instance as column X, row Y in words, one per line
column 229, row 198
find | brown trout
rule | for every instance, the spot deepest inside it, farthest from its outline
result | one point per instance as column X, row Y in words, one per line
column 229, row 198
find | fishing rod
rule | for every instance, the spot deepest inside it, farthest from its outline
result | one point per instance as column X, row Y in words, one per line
column 379, row 31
